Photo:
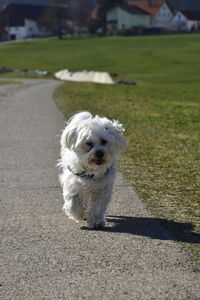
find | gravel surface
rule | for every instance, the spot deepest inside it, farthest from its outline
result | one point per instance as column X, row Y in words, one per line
column 44, row 255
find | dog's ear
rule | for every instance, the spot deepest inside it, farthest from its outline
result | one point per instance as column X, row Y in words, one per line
column 68, row 137
column 70, row 133
column 116, row 130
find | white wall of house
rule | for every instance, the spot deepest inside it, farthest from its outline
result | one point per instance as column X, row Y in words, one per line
column 29, row 30
column 181, row 23
column 163, row 17
column 32, row 29
column 119, row 19
column 16, row 33
column 194, row 25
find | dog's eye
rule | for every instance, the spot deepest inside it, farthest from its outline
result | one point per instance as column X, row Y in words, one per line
column 103, row 142
column 89, row 144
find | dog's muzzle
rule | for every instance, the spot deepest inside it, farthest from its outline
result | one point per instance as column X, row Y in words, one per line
column 99, row 154
column 99, row 157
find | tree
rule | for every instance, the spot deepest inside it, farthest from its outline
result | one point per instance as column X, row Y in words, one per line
column 104, row 6
column 55, row 17
column 79, row 12
column 59, row 12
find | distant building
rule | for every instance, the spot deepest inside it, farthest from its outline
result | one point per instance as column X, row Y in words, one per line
column 160, row 12
column 186, row 21
column 125, row 16
column 30, row 29
column 20, row 21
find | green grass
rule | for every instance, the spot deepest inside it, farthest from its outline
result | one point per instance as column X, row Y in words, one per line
column 161, row 114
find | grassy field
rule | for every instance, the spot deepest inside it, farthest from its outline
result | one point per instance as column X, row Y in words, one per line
column 161, row 113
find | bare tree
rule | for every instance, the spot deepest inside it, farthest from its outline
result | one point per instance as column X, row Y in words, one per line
column 104, row 6
column 79, row 12
column 55, row 17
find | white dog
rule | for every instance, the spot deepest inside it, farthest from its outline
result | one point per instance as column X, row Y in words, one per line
column 89, row 149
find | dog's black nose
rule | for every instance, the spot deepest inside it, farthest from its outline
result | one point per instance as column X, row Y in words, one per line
column 99, row 154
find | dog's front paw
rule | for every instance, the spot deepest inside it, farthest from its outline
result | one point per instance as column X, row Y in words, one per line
column 99, row 225
column 93, row 224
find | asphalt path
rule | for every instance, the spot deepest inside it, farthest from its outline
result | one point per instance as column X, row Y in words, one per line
column 44, row 255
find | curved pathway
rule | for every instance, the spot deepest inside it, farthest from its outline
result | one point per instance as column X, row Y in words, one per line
column 46, row 256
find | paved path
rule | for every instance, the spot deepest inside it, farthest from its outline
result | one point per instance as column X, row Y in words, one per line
column 46, row 256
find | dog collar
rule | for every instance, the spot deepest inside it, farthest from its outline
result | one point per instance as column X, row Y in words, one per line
column 82, row 174
column 85, row 175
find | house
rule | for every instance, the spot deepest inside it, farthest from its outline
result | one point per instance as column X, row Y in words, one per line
column 186, row 21
column 29, row 29
column 123, row 16
column 160, row 12
column 20, row 21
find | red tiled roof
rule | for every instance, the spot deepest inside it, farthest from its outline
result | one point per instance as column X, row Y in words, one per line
column 132, row 9
column 150, row 7
column 94, row 14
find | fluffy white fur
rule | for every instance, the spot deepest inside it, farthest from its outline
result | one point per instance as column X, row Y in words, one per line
column 89, row 149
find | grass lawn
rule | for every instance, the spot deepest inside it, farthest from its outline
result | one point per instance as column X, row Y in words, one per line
column 161, row 114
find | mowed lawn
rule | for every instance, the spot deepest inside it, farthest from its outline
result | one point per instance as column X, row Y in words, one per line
column 161, row 113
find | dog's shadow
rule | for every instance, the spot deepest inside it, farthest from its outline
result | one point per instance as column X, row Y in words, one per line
column 153, row 228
